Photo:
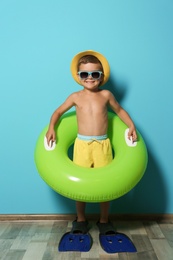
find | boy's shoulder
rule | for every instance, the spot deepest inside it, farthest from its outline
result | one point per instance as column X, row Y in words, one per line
column 106, row 92
column 76, row 94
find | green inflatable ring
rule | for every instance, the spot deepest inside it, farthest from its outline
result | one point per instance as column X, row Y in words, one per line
column 91, row 184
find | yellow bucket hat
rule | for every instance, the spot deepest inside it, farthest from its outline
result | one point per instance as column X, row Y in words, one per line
column 99, row 56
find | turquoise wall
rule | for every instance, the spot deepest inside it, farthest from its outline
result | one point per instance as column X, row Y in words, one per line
column 38, row 40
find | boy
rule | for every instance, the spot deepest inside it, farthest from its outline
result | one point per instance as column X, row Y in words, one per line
column 92, row 147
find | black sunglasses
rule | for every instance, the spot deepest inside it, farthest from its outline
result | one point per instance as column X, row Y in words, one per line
column 94, row 74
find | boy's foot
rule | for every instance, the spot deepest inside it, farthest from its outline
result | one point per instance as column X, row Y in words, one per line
column 80, row 227
column 112, row 241
column 78, row 239
column 106, row 228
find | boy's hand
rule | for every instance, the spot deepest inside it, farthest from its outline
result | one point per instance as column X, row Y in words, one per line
column 51, row 137
column 132, row 134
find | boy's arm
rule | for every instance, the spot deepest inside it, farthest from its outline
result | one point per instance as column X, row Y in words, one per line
column 124, row 116
column 69, row 102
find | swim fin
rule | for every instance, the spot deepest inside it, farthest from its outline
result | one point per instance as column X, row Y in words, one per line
column 75, row 242
column 112, row 241
column 116, row 243
column 78, row 239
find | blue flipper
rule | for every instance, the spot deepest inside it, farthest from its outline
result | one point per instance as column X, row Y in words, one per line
column 116, row 243
column 112, row 241
column 75, row 242
column 78, row 239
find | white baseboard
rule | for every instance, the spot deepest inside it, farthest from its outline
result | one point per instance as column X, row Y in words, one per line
column 113, row 217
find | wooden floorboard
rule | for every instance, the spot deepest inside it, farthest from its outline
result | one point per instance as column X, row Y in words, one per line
column 30, row 240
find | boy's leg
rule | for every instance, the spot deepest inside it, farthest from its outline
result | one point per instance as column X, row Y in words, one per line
column 80, row 207
column 104, row 212
column 103, row 156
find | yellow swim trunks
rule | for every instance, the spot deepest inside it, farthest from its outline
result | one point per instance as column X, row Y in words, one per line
column 92, row 151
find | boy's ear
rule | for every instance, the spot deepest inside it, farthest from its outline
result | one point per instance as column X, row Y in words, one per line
column 78, row 77
column 101, row 79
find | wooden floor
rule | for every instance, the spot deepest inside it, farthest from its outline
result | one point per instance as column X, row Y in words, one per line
column 36, row 240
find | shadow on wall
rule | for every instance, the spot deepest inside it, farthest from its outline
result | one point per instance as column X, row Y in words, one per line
column 62, row 204
column 148, row 196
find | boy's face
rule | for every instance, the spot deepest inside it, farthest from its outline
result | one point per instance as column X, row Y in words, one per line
column 90, row 83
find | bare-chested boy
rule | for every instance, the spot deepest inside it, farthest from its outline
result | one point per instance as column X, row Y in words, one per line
column 91, row 70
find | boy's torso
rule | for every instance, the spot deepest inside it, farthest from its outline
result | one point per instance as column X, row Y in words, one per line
column 91, row 110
